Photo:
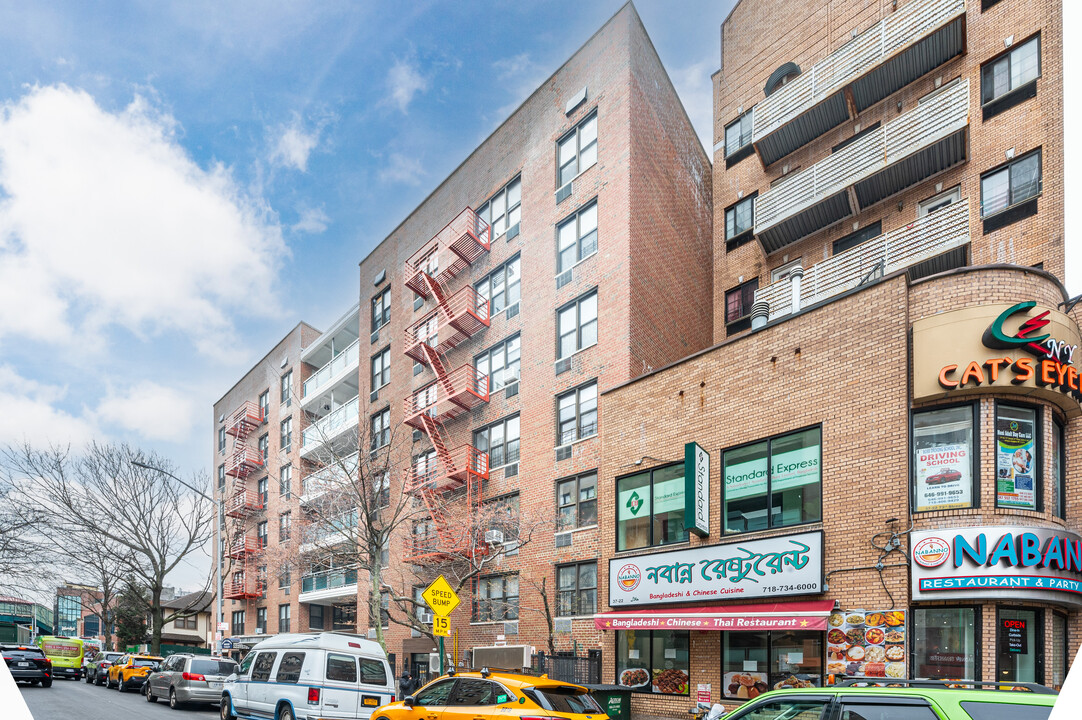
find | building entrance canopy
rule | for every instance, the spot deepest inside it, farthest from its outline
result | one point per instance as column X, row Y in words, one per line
column 806, row 615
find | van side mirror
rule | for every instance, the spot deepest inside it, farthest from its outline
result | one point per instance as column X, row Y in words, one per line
column 409, row 701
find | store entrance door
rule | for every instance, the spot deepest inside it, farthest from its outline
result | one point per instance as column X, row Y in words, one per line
column 1020, row 646
column 419, row 667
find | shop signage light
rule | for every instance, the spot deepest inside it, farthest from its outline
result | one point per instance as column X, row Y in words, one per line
column 785, row 565
column 696, row 489
column 1014, row 562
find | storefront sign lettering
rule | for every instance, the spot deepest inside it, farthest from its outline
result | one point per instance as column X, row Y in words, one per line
column 696, row 489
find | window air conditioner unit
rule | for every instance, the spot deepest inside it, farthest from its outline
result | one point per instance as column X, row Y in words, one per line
column 493, row 537
column 426, row 618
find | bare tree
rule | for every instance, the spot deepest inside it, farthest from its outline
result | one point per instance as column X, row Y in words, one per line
column 24, row 561
column 152, row 522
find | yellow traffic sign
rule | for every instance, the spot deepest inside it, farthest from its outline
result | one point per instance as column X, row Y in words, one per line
column 441, row 625
column 440, row 597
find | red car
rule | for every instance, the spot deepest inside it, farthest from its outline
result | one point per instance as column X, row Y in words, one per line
column 943, row 476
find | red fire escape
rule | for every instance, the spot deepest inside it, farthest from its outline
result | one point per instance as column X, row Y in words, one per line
column 243, row 501
column 457, row 316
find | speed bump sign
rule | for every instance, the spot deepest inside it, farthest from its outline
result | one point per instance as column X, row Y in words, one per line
column 440, row 597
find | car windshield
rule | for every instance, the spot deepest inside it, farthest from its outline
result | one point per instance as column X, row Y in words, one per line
column 567, row 700
column 24, row 653
column 152, row 664
column 213, row 667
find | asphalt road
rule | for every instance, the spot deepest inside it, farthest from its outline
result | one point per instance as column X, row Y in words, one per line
column 75, row 700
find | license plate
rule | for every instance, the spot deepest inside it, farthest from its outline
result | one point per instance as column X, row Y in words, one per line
column 214, row 685
column 23, row 664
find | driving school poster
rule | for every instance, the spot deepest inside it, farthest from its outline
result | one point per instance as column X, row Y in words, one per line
column 944, row 478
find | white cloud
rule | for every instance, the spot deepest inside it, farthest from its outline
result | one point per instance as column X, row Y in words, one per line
column 293, row 145
column 402, row 169
column 403, row 82
column 151, row 410
column 30, row 414
column 513, row 66
column 312, row 221
column 696, row 92
column 105, row 220
column 522, row 76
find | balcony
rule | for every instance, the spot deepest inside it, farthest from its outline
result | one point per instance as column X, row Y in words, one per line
column 341, row 366
column 329, row 585
column 239, row 589
column 330, row 532
column 243, row 503
column 316, row 484
column 447, row 397
column 329, row 428
column 930, row 238
column 904, row 46
column 244, row 420
column 905, row 151
column 454, row 320
column 243, row 462
column 448, row 474
column 453, row 249
column 244, row 545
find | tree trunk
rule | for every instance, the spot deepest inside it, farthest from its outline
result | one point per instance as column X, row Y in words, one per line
column 156, row 616
column 375, row 597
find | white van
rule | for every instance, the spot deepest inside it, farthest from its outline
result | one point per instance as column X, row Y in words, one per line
column 316, row 676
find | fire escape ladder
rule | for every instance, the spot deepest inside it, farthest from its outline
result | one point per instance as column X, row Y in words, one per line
column 435, row 434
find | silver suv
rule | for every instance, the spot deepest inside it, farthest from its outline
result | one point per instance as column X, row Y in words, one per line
column 186, row 679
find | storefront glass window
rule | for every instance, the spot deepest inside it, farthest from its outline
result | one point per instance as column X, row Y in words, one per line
column 1020, row 646
column 943, row 459
column 945, row 643
column 753, row 662
column 656, row 661
column 773, row 483
column 650, row 508
column 1059, row 487
column 1059, row 650
column 1017, row 464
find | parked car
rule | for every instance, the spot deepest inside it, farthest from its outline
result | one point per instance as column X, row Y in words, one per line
column 97, row 670
column 317, row 675
column 130, row 671
column 507, row 696
column 28, row 664
column 911, row 699
column 186, row 678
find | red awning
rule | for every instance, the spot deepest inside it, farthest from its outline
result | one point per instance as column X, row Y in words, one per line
column 805, row 615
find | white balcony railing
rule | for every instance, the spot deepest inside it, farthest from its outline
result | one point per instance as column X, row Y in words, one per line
column 344, row 418
column 340, row 363
column 928, row 237
column 335, row 475
column 330, row 532
column 938, row 117
column 912, row 22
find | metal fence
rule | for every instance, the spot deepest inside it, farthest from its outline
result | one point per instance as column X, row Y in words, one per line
column 570, row 668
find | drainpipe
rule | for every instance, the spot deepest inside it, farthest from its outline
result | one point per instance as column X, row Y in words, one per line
column 794, row 278
column 760, row 313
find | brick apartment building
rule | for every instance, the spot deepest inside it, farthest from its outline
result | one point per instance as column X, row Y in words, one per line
column 569, row 253
column 861, row 477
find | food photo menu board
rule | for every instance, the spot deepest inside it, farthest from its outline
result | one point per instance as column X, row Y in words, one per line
column 869, row 644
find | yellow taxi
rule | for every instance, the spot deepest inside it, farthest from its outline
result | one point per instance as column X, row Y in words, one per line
column 129, row 672
column 496, row 695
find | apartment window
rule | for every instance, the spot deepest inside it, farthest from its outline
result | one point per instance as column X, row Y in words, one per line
column 183, row 623
column 576, row 414
column 385, row 609
column 502, row 287
column 221, row 478
column 782, row 272
column 385, row 553
column 857, row 237
column 577, row 325
column 221, row 439
column 1018, row 462
column 576, row 237
column 577, row 150
column 932, row 204
column 1015, row 71
column 504, row 514
column 1010, row 185
column 261, row 572
column 944, row 458
column 238, row 622
column 496, row 598
column 946, row 642
column 504, row 210
column 287, row 389
column 1059, row 463
column 657, row 652
column 780, row 654
column 773, row 483
column 284, row 579
column 381, row 491
column 381, row 309
column 650, row 508
column 261, row 490
column 283, row 618
column 261, row 534
column 500, row 440
column 381, row 429
column 576, row 589
column 315, row 617
column 285, row 526
column 381, row 368
column 576, row 502
column 738, row 302
column 264, row 405
column 264, row 447
column 740, row 219
column 261, row 620
column 285, row 480
column 738, row 136
column 501, row 363
column 286, row 439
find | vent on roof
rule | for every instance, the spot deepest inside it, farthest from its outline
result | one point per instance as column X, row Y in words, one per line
column 577, row 99
column 380, row 277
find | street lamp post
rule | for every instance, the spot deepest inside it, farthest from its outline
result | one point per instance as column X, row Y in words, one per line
column 218, row 539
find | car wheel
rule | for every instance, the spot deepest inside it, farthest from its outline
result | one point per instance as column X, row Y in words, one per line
column 151, row 697
column 47, row 683
column 98, row 679
column 120, row 686
column 173, row 702
column 88, row 679
column 285, row 713
column 224, row 710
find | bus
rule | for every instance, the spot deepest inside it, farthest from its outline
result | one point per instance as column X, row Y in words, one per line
column 66, row 654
